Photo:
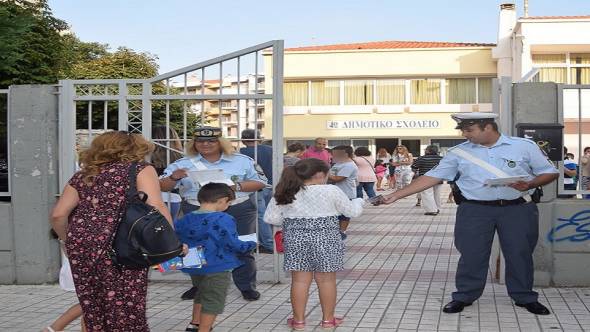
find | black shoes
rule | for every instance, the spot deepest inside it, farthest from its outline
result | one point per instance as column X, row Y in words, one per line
column 250, row 295
column 534, row 308
column 454, row 307
column 189, row 294
column 432, row 213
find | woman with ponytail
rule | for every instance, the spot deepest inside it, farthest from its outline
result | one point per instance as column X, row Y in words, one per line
column 307, row 208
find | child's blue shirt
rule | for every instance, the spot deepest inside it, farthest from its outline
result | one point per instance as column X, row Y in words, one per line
column 216, row 233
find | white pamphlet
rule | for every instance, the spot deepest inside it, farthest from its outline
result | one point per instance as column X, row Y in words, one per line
column 209, row 175
column 249, row 237
column 504, row 181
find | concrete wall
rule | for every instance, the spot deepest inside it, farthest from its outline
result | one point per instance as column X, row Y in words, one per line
column 27, row 253
column 562, row 256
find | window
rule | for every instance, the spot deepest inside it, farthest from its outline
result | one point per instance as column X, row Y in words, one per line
column 484, row 90
column 557, row 67
column 425, row 91
column 295, row 93
column 4, row 143
column 325, row 93
column 460, row 90
column 358, row 92
column 580, row 58
column 580, row 75
column 391, row 92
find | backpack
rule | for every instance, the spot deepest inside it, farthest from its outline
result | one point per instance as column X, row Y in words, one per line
column 143, row 236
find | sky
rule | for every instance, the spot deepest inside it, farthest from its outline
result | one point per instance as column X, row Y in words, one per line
column 183, row 32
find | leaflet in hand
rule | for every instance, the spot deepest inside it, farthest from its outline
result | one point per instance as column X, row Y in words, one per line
column 505, row 180
column 249, row 237
column 209, row 175
column 195, row 259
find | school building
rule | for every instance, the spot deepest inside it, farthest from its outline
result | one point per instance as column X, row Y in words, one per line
column 381, row 94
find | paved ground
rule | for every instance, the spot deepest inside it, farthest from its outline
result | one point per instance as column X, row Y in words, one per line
column 399, row 273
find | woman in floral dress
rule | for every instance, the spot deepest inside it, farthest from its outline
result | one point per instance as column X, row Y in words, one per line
column 113, row 298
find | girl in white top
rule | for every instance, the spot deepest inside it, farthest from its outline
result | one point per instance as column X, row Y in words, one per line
column 308, row 209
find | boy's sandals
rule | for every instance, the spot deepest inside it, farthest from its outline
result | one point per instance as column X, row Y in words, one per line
column 296, row 325
column 332, row 323
column 192, row 327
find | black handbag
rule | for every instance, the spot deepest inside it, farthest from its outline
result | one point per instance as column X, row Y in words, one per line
column 143, row 237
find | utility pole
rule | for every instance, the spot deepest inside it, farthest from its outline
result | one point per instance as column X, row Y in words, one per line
column 526, row 8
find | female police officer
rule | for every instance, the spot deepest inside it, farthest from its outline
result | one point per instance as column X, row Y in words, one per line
column 210, row 151
column 485, row 210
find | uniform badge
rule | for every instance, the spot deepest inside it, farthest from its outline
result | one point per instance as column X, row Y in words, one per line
column 235, row 178
column 511, row 164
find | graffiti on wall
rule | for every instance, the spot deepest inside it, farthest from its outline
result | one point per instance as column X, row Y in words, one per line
column 573, row 229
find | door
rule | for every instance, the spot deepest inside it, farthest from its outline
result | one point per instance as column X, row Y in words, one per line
column 388, row 143
column 413, row 146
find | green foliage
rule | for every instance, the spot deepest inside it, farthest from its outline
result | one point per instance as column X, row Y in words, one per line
column 30, row 43
column 36, row 47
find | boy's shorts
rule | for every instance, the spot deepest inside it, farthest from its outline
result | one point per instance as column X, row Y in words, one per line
column 211, row 291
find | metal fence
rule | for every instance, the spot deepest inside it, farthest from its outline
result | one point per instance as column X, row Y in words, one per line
column 180, row 99
column 4, row 144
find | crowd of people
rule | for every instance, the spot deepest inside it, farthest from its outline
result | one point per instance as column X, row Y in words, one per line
column 229, row 214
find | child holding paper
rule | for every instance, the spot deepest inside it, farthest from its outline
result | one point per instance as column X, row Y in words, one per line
column 215, row 231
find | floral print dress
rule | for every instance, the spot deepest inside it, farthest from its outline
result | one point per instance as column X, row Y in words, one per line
column 113, row 298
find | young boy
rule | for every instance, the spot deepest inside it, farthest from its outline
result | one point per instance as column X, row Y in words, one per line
column 215, row 231
column 344, row 175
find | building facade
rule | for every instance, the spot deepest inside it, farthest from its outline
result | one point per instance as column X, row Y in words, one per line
column 381, row 94
column 232, row 116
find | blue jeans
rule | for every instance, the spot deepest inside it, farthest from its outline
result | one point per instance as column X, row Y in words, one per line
column 368, row 187
column 265, row 235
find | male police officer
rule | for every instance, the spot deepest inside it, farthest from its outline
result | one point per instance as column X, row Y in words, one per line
column 486, row 209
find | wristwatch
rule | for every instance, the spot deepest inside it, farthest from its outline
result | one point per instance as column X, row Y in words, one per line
column 238, row 187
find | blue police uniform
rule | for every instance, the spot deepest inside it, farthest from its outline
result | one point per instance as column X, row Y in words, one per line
column 487, row 210
column 237, row 168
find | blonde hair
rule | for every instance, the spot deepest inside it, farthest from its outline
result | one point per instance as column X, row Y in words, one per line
column 381, row 150
column 405, row 151
column 226, row 148
column 113, row 146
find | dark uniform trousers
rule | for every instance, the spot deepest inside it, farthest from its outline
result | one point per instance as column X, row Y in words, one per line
column 518, row 230
column 246, row 216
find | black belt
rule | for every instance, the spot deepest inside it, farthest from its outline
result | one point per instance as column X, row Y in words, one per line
column 499, row 202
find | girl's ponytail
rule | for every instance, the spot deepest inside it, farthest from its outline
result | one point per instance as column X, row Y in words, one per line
column 293, row 179
column 288, row 186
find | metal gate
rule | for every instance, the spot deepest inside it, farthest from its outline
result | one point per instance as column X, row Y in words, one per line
column 90, row 107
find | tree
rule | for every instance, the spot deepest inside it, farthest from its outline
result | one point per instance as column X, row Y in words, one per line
column 30, row 43
column 123, row 63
